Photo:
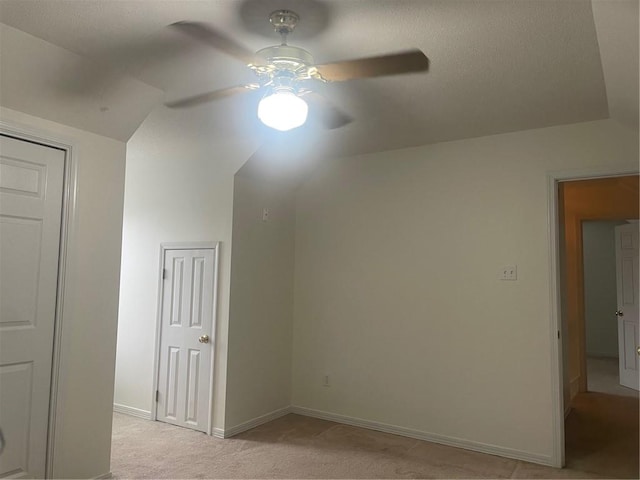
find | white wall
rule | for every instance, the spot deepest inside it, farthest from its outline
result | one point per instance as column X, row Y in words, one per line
column 178, row 188
column 396, row 290
column 84, row 403
column 261, row 312
column 600, row 300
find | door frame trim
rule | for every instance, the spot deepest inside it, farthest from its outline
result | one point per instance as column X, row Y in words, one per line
column 51, row 138
column 215, row 246
column 555, row 296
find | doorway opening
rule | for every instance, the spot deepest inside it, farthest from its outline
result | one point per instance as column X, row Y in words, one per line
column 602, row 345
column 601, row 425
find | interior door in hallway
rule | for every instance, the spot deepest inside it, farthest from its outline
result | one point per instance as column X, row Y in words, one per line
column 186, row 347
column 31, row 183
column 627, row 284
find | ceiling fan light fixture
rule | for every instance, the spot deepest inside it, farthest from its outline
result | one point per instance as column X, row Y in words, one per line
column 283, row 110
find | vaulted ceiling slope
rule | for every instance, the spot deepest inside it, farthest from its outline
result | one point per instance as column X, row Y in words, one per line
column 618, row 38
column 495, row 67
column 41, row 79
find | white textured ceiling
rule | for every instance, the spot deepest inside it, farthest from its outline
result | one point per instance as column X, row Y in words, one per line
column 496, row 65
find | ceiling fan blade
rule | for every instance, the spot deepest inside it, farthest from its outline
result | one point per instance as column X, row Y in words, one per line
column 328, row 114
column 404, row 62
column 216, row 39
column 211, row 96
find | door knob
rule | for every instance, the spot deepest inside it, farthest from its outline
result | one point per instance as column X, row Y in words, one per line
column 203, row 339
column 638, row 350
column 619, row 313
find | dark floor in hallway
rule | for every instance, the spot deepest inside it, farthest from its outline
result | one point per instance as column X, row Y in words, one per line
column 601, row 435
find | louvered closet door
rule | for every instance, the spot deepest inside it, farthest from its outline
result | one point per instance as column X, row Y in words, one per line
column 186, row 348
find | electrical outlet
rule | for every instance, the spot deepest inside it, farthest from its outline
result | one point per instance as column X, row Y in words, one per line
column 508, row 272
column 325, row 380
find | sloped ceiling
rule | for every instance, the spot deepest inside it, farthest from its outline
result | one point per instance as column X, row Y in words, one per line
column 496, row 66
column 37, row 77
column 617, row 27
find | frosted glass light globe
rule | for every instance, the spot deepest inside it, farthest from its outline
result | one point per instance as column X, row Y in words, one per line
column 283, row 111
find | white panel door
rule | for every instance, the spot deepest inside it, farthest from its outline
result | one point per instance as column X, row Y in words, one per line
column 627, row 285
column 31, row 179
column 186, row 338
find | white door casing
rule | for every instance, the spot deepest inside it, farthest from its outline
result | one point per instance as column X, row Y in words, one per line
column 186, row 337
column 627, row 284
column 31, row 191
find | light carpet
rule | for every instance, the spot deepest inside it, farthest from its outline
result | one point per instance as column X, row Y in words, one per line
column 300, row 447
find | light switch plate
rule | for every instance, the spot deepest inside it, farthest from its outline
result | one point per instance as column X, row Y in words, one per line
column 508, row 272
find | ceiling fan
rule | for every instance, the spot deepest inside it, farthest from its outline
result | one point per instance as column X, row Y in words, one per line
column 286, row 74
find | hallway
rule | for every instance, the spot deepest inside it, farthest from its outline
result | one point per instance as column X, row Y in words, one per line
column 601, row 435
column 603, row 376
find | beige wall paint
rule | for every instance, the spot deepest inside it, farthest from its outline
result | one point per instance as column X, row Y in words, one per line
column 261, row 304
column 396, row 290
column 87, row 354
column 179, row 188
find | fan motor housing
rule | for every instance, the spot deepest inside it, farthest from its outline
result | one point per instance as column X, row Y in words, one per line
column 286, row 55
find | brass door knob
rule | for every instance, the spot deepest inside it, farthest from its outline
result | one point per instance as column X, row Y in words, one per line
column 638, row 350
column 203, row 339
column 619, row 313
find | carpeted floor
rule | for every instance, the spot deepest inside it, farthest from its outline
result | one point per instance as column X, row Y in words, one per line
column 295, row 447
column 302, row 447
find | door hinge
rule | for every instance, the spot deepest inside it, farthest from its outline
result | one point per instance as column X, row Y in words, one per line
column 558, row 334
column 164, row 273
column 157, row 395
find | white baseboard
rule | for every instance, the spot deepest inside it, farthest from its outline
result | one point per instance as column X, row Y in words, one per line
column 134, row 412
column 358, row 422
column 254, row 422
column 427, row 436
column 567, row 411
column 574, row 387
